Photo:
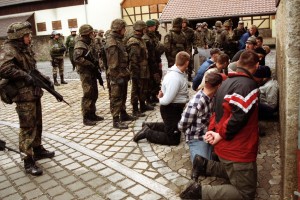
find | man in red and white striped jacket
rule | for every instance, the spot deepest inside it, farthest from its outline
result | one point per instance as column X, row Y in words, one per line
column 234, row 134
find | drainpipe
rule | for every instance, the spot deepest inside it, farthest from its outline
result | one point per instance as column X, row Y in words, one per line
column 85, row 12
column 297, row 193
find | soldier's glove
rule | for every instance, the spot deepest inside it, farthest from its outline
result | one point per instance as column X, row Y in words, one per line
column 29, row 80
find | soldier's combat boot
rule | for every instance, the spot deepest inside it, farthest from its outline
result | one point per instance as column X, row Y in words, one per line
column 31, row 168
column 142, row 134
column 88, row 122
column 118, row 124
column 55, row 80
column 40, row 153
column 96, row 118
column 125, row 117
column 62, row 80
column 136, row 113
column 193, row 191
column 145, row 107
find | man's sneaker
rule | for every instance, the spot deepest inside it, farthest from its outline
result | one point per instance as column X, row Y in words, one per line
column 142, row 134
column 193, row 191
column 199, row 167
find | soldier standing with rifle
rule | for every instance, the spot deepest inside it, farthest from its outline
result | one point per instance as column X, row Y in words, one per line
column 89, row 71
column 17, row 85
column 70, row 43
column 118, row 73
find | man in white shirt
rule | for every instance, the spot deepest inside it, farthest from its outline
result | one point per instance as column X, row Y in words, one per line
column 172, row 98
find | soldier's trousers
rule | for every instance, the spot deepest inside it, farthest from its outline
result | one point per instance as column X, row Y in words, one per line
column 242, row 177
column 30, row 119
column 58, row 65
column 71, row 52
column 166, row 132
column 139, row 90
column 90, row 94
column 118, row 96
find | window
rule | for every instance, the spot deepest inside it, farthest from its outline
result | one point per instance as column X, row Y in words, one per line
column 72, row 23
column 41, row 26
column 56, row 25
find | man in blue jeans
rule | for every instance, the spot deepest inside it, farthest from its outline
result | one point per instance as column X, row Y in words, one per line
column 214, row 53
column 195, row 117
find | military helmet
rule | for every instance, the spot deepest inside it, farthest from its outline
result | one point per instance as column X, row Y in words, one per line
column 139, row 25
column 150, row 23
column 218, row 24
column 101, row 31
column 156, row 22
column 228, row 23
column 117, row 25
column 185, row 20
column 177, row 22
column 73, row 30
column 18, row 30
column 96, row 31
column 85, row 29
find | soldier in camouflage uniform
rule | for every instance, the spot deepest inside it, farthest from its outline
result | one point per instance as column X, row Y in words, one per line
column 118, row 73
column 139, row 69
column 16, row 62
column 155, row 78
column 70, row 44
column 157, row 34
column 228, row 44
column 208, row 34
column 239, row 31
column 175, row 41
column 57, row 50
column 189, row 34
column 217, row 34
column 87, row 66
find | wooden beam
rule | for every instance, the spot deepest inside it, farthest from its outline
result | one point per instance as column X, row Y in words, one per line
column 136, row 3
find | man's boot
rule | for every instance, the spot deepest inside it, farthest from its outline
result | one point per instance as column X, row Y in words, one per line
column 40, row 153
column 193, row 191
column 136, row 113
column 145, row 107
column 88, row 121
column 55, row 80
column 31, row 168
column 95, row 117
column 62, row 80
column 199, row 167
column 142, row 134
column 118, row 124
column 125, row 117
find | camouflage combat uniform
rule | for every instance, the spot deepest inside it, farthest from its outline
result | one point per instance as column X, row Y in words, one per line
column 139, row 69
column 16, row 62
column 227, row 39
column 57, row 50
column 87, row 67
column 118, row 73
column 175, row 41
column 189, row 34
column 70, row 44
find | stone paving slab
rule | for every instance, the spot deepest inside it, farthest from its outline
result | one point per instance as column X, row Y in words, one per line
column 101, row 162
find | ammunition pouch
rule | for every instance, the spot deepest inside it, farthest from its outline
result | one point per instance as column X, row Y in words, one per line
column 7, row 91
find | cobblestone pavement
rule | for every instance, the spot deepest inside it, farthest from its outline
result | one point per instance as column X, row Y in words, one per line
column 101, row 162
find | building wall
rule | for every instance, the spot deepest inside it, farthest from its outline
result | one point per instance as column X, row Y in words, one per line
column 288, row 70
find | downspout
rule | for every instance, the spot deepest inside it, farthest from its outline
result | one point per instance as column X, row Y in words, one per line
column 297, row 193
column 85, row 12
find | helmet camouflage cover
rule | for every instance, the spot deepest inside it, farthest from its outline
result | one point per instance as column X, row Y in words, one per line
column 85, row 29
column 18, row 30
column 117, row 25
column 218, row 24
column 139, row 25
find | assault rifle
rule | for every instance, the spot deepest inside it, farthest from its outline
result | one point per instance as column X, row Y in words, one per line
column 90, row 58
column 46, row 84
column 3, row 147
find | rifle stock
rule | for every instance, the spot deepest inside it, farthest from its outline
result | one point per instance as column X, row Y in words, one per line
column 46, row 84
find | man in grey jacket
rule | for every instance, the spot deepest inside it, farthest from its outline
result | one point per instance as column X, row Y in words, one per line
column 172, row 98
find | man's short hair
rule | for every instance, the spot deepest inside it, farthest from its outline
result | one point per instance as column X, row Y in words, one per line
column 213, row 79
column 181, row 58
column 223, row 58
column 263, row 72
column 248, row 59
column 260, row 38
column 214, row 51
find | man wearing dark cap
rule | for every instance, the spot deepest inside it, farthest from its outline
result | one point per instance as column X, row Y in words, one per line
column 214, row 53
column 233, row 131
column 195, row 117
column 250, row 45
column 175, row 41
